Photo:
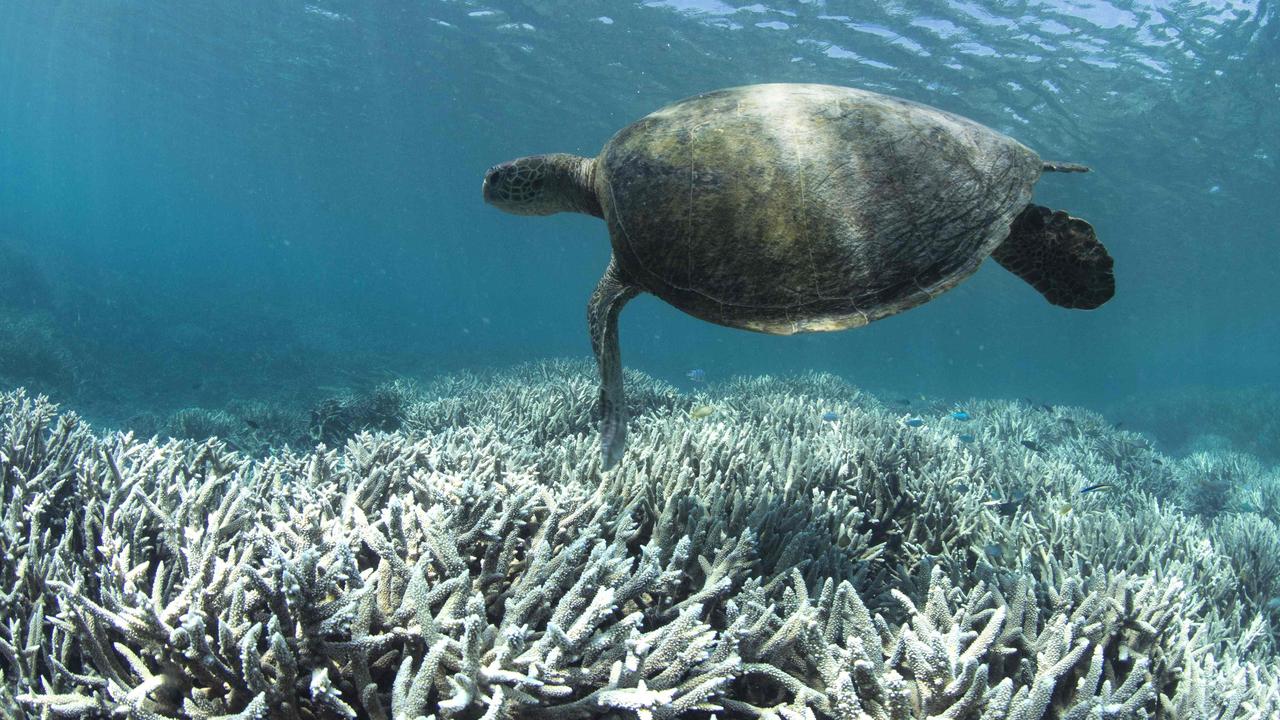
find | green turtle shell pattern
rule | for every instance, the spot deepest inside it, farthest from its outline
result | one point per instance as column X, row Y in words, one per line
column 792, row 208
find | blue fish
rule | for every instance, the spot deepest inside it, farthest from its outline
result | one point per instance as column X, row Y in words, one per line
column 697, row 375
column 1095, row 488
column 915, row 422
column 966, row 438
column 1273, row 603
column 960, row 415
column 994, row 551
column 830, row 416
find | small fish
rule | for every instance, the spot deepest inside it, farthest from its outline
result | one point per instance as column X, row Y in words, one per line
column 1046, row 407
column 1067, row 421
column 1157, row 461
column 702, row 411
column 965, row 438
column 904, row 401
column 1008, row 509
column 1065, row 509
column 960, row 415
column 993, row 551
column 1118, row 425
column 872, row 553
column 1006, row 506
column 1273, row 603
column 962, row 487
column 697, row 375
column 251, row 424
column 830, row 416
column 914, row 422
column 1032, row 445
column 1095, row 488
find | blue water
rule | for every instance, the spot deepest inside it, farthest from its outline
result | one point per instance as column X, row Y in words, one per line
column 208, row 202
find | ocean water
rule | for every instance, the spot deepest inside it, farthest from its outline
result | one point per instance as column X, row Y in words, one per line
column 263, row 221
column 238, row 200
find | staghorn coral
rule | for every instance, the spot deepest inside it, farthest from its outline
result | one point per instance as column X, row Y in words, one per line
column 762, row 562
column 1261, row 495
column 200, row 423
column 551, row 400
column 261, row 428
column 1210, row 482
column 1192, row 419
column 335, row 419
column 1252, row 544
column 267, row 427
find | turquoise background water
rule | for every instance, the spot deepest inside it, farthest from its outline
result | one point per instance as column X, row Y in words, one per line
column 201, row 202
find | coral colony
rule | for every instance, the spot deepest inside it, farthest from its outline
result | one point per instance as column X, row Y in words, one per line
column 758, row 562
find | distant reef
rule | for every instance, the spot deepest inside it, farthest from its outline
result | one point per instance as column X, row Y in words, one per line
column 33, row 351
column 1191, row 419
column 793, row 549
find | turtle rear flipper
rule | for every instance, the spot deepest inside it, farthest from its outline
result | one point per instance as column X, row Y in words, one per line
column 1060, row 256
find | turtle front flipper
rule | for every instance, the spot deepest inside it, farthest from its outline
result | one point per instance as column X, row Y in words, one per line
column 1060, row 256
column 602, row 319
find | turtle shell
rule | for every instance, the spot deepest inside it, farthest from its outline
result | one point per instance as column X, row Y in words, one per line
column 788, row 208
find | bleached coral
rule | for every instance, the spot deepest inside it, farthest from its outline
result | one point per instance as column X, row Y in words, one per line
column 1194, row 419
column 1209, row 482
column 761, row 562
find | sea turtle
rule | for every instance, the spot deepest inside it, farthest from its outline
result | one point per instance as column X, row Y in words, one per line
column 786, row 208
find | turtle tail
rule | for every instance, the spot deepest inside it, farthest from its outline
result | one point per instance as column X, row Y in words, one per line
column 1060, row 256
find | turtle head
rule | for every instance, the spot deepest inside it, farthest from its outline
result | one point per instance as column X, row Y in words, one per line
column 542, row 185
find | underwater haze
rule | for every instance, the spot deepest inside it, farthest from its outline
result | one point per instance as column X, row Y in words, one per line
column 295, row 425
column 208, row 202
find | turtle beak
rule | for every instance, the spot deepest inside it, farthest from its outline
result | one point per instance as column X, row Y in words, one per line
column 492, row 179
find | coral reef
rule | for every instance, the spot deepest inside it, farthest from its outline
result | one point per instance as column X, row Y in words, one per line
column 764, row 561
column 335, row 419
column 32, row 352
column 1210, row 483
column 259, row 428
column 1198, row 419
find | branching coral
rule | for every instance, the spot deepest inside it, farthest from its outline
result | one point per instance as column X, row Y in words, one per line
column 335, row 419
column 763, row 562
column 1188, row 419
column 1210, row 481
